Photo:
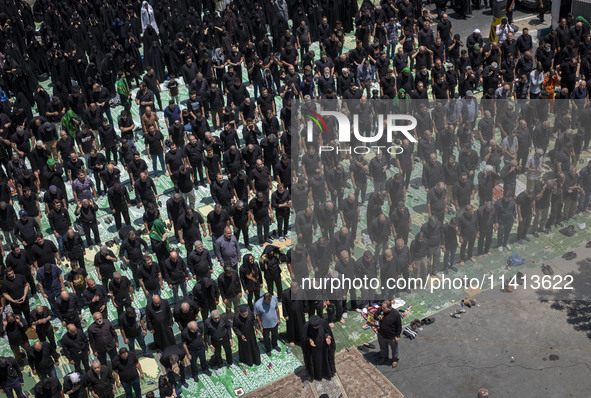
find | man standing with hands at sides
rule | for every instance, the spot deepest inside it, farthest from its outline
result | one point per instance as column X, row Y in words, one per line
column 388, row 332
column 128, row 372
column 218, row 334
column 103, row 339
column 133, row 327
column 194, row 345
column 266, row 310
column 75, row 348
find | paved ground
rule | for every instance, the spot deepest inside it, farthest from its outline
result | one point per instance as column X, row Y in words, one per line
column 481, row 19
column 524, row 344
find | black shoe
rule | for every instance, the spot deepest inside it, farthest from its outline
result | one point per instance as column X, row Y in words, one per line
column 277, row 348
column 453, row 268
column 269, row 353
column 536, row 234
column 207, row 372
column 196, row 379
column 249, row 248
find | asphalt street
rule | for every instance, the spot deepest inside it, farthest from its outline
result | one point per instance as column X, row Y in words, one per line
column 481, row 19
column 528, row 343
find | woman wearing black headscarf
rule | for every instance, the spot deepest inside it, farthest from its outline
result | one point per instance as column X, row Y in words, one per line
column 318, row 347
column 251, row 278
column 149, row 37
column 154, row 56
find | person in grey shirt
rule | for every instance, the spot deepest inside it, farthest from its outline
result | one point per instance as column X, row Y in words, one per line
column 227, row 249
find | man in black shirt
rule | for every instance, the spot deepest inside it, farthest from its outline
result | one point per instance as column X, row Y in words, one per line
column 49, row 387
column 218, row 334
column 175, row 206
column 75, row 348
column 11, row 377
column 95, row 297
column 40, row 322
column 193, row 343
column 150, row 278
column 468, row 226
column 42, row 358
column 281, row 202
column 145, row 190
column 173, row 159
column 172, row 357
column 44, row 252
column 239, row 218
column 154, row 141
column 15, row 290
column 188, row 231
column 193, row 153
column 104, row 260
column 128, row 372
column 199, row 262
column 132, row 328
column 463, row 193
column 261, row 178
column 119, row 203
column 176, row 275
column 121, row 292
column 136, row 167
column 217, row 220
column 131, row 252
column 388, row 332
column 110, row 176
column 222, row 191
column 526, row 207
column 86, row 213
column 21, row 264
column 74, row 247
column 183, row 183
column 261, row 216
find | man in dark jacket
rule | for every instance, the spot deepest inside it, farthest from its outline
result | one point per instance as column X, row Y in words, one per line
column 230, row 290
column 102, row 338
column 100, row 380
column 86, row 213
column 42, row 358
column 468, row 225
column 74, row 247
column 174, row 271
column 11, row 377
column 388, row 332
column 75, row 348
column 119, row 203
column 487, row 215
column 506, row 210
column 131, row 252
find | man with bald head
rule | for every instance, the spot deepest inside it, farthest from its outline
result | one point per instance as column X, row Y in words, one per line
column 40, row 321
column 184, row 312
column 67, row 309
column 194, row 345
column 121, row 292
column 75, row 348
column 218, row 334
column 175, row 273
column 227, row 249
column 40, row 357
column 159, row 322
